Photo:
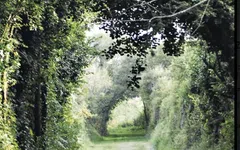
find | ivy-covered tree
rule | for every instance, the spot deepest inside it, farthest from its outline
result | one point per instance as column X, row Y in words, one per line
column 43, row 49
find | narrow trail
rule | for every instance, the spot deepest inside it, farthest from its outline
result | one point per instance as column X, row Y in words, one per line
column 122, row 145
column 123, row 138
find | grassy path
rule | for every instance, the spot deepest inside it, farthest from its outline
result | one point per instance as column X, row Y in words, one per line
column 123, row 145
column 123, row 139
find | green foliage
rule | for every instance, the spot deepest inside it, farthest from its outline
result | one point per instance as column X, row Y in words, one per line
column 133, row 110
column 43, row 54
column 8, row 129
column 106, row 86
column 63, row 126
column 9, row 63
column 149, row 86
column 66, row 129
column 183, row 112
column 139, row 23
column 93, row 134
column 198, row 19
column 187, row 101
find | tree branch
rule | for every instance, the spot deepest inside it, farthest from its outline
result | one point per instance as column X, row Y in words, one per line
column 141, row 4
column 160, row 17
column 165, row 16
column 214, row 70
column 178, row 13
column 201, row 17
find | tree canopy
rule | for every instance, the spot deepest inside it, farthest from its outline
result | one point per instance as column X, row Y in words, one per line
column 135, row 23
column 49, row 100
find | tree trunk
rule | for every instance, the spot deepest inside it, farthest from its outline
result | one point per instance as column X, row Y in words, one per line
column 37, row 111
column 5, row 86
column 145, row 114
column 237, row 106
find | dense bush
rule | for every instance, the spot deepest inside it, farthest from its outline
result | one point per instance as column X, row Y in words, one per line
column 43, row 53
column 183, row 114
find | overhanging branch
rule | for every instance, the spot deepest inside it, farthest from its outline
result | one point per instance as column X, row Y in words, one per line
column 167, row 16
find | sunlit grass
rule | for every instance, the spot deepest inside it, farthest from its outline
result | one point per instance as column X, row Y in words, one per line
column 129, row 138
column 123, row 133
column 131, row 133
column 133, row 145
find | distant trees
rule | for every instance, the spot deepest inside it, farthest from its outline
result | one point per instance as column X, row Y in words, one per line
column 106, row 86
